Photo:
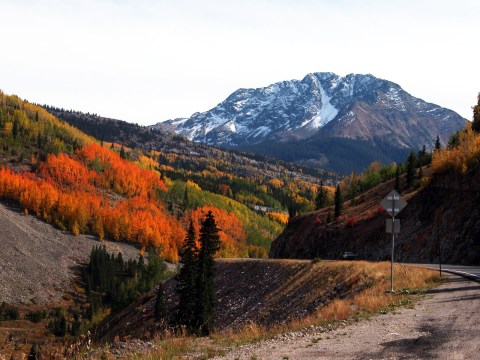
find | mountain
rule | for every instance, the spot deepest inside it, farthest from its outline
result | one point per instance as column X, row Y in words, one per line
column 323, row 120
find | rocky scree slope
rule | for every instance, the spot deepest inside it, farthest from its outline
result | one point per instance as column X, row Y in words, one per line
column 37, row 261
column 363, row 110
column 446, row 209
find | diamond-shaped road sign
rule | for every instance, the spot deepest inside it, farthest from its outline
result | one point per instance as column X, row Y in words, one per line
column 393, row 203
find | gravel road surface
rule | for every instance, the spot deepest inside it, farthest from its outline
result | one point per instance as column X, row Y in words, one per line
column 444, row 325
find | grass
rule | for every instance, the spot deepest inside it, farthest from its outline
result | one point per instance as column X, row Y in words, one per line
column 370, row 282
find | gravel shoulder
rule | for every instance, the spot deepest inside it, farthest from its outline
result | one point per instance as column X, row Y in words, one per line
column 444, row 325
column 37, row 260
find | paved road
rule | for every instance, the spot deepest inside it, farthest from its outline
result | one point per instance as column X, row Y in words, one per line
column 470, row 271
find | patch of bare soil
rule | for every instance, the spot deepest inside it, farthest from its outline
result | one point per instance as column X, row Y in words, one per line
column 442, row 326
column 37, row 260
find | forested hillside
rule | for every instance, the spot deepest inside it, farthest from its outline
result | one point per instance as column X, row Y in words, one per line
column 82, row 185
column 251, row 179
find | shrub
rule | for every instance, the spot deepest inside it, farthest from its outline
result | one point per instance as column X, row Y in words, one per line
column 352, row 220
column 8, row 313
column 36, row 316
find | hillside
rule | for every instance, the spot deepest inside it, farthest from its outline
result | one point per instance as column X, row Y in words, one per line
column 246, row 177
column 265, row 294
column 37, row 262
column 442, row 215
column 83, row 186
column 340, row 123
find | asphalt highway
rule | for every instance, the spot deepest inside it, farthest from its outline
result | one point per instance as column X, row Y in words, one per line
column 471, row 272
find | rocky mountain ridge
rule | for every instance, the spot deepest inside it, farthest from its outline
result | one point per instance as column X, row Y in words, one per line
column 312, row 111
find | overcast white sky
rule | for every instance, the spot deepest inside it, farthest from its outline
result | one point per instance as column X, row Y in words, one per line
column 146, row 61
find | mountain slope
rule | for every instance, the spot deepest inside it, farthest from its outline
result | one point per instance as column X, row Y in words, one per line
column 252, row 179
column 65, row 177
column 447, row 208
column 359, row 108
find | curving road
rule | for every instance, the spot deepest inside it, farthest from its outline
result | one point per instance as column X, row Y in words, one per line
column 471, row 272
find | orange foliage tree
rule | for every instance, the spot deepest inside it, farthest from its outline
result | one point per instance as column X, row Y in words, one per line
column 120, row 175
column 460, row 158
column 66, row 196
column 232, row 234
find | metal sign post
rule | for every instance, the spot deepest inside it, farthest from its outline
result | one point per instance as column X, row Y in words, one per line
column 393, row 204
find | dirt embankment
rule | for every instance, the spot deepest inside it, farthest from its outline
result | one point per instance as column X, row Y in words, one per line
column 446, row 209
column 260, row 292
column 37, row 260
column 442, row 326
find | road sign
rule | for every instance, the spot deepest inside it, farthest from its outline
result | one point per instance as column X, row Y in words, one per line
column 393, row 226
column 393, row 203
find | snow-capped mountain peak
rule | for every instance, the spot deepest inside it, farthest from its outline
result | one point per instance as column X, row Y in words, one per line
column 321, row 105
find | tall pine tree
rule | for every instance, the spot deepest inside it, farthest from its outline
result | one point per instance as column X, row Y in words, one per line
column 438, row 145
column 209, row 245
column 187, row 280
column 160, row 309
column 321, row 199
column 338, row 202
column 476, row 116
column 410, row 169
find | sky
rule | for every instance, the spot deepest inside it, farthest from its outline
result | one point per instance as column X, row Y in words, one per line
column 147, row 61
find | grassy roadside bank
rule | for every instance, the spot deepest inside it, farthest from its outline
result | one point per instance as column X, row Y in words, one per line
column 359, row 290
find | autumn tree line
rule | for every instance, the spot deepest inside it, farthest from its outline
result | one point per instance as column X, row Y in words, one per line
column 71, row 181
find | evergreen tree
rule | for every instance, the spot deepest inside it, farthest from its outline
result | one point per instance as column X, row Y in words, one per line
column 438, row 146
column 397, row 179
column 187, row 280
column 160, row 309
column 123, row 154
column 420, row 173
column 476, row 116
column 329, row 217
column 454, row 140
column 185, row 198
column 321, row 199
column 338, row 202
column 15, row 129
column 209, row 245
column 410, row 169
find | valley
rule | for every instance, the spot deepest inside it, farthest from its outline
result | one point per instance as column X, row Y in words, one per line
column 136, row 191
column 186, row 180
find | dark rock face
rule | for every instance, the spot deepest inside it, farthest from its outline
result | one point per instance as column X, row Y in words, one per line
column 447, row 209
column 321, row 106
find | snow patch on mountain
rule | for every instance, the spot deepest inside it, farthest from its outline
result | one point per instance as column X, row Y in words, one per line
column 327, row 113
column 395, row 99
